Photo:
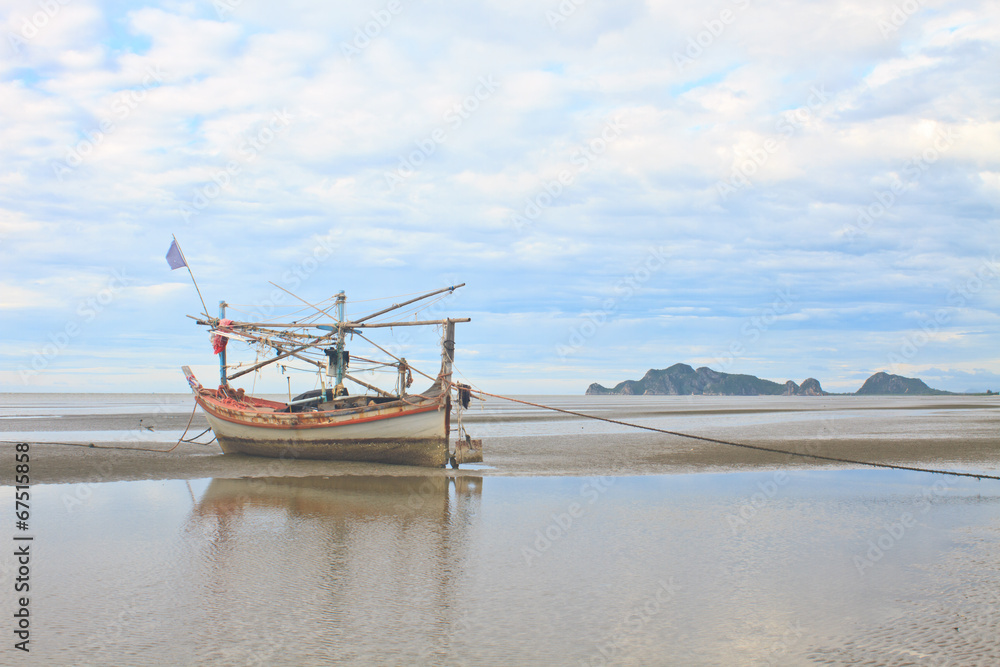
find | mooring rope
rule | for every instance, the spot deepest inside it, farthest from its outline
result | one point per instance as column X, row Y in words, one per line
column 471, row 390
column 91, row 445
column 773, row 450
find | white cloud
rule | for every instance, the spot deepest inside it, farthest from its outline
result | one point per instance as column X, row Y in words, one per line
column 135, row 151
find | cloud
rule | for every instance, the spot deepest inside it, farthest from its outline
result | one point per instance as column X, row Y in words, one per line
column 473, row 144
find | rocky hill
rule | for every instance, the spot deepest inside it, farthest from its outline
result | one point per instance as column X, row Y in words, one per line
column 681, row 379
column 882, row 383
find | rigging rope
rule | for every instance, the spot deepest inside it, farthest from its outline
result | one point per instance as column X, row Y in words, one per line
column 773, row 450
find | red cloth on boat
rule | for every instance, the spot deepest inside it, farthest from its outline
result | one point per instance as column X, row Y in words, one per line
column 219, row 342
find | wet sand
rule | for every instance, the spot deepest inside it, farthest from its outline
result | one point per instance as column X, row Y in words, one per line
column 911, row 432
column 577, row 542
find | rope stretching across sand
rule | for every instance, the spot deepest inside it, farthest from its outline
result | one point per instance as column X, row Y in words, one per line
column 773, row 450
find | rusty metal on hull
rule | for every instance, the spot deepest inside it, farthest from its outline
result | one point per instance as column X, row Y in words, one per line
column 410, row 432
column 262, row 418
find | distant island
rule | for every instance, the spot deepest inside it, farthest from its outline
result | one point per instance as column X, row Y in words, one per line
column 682, row 380
column 884, row 384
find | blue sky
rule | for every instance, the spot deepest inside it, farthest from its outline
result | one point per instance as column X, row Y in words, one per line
column 784, row 189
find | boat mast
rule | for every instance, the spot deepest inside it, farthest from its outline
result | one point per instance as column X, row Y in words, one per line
column 222, row 354
column 342, row 334
column 448, row 349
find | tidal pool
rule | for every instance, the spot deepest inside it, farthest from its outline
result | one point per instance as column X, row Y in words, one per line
column 774, row 567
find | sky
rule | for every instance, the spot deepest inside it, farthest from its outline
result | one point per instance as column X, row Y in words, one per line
column 777, row 188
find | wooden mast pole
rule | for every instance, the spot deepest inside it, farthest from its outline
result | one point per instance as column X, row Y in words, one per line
column 342, row 334
column 222, row 352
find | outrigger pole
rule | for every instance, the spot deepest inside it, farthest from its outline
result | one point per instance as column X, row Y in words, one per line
column 340, row 327
column 406, row 303
column 340, row 313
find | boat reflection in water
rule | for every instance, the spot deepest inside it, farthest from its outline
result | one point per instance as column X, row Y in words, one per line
column 404, row 497
column 340, row 558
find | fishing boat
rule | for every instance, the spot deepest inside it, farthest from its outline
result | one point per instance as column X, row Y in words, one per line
column 329, row 422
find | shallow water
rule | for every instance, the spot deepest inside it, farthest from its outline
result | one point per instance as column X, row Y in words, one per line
column 803, row 567
column 131, row 436
column 54, row 405
column 523, row 560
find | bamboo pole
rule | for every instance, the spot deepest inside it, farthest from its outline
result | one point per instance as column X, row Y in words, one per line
column 369, row 386
column 352, row 325
column 278, row 346
column 407, row 303
column 277, row 358
column 332, row 326
column 311, row 305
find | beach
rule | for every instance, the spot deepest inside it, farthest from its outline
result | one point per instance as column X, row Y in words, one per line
column 576, row 542
column 960, row 431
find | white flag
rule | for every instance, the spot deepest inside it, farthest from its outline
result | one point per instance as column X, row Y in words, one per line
column 175, row 258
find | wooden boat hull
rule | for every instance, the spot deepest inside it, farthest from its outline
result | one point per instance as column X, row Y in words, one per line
column 415, row 438
column 428, row 452
column 407, row 432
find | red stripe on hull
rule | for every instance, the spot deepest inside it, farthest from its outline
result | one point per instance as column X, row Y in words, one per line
column 224, row 413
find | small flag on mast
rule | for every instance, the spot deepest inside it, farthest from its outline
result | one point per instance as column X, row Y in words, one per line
column 175, row 258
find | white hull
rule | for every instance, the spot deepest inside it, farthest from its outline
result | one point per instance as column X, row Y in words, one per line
column 411, row 429
column 415, row 438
